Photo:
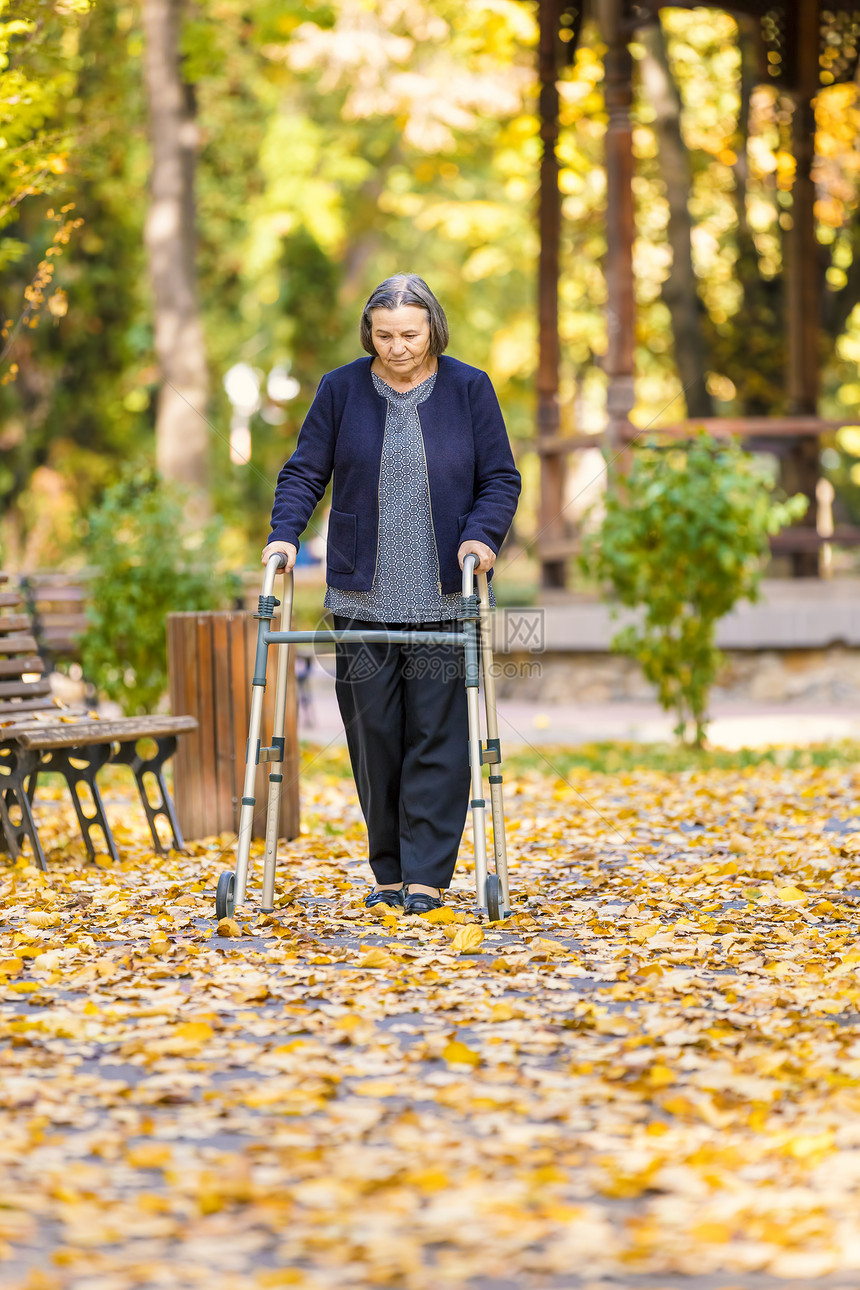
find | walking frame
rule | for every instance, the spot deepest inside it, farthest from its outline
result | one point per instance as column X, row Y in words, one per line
column 493, row 895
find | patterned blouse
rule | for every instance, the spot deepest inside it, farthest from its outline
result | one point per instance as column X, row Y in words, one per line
column 406, row 584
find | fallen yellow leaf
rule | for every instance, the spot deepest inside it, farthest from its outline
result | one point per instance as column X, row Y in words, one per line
column 457, row 1054
column 443, row 915
column 275, row 1278
column 555, row 949
column 149, row 1155
column 229, row 927
column 260, row 992
column 41, row 918
column 790, row 893
column 376, row 958
column 468, row 939
column 199, row 1031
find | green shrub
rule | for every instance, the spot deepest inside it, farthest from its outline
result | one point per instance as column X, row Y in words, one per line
column 148, row 562
column 683, row 539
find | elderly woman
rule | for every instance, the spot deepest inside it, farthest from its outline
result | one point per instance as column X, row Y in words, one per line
column 423, row 475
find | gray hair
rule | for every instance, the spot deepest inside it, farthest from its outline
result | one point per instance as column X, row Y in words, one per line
column 406, row 289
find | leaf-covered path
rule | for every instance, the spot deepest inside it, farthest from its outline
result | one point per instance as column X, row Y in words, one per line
column 650, row 1077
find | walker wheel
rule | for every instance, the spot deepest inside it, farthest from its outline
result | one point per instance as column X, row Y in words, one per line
column 225, row 896
column 495, row 899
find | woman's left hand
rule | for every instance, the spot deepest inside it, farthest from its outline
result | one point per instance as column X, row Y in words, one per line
column 486, row 555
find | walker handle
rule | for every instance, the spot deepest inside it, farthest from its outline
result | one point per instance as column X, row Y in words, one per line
column 470, row 563
column 275, row 562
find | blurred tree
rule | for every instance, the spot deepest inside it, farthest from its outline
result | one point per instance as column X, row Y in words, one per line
column 145, row 563
column 78, row 407
column 38, row 44
column 680, row 287
column 341, row 141
column 170, row 236
column 402, row 139
column 35, row 148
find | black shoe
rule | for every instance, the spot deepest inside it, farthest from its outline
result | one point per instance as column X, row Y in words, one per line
column 418, row 902
column 394, row 899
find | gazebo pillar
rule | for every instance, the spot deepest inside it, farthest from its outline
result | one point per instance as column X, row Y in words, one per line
column 803, row 280
column 552, row 462
column 620, row 224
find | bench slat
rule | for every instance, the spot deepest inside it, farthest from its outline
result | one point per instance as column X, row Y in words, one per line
column 15, row 623
column 15, row 666
column 18, row 644
column 10, row 709
column 10, row 598
column 46, row 584
column 26, row 689
column 60, row 632
column 56, row 603
column 58, row 643
column 66, row 619
column 54, row 595
column 79, row 733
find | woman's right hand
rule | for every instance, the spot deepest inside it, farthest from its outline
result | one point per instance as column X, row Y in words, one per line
column 287, row 548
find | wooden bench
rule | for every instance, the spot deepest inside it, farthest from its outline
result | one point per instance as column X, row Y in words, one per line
column 37, row 736
column 55, row 603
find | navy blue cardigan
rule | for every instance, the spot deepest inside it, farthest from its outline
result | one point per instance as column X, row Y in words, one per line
column 474, row 484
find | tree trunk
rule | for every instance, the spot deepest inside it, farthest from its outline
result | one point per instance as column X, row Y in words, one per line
column 619, row 363
column 747, row 267
column 801, row 470
column 747, row 36
column 552, row 467
column 182, row 439
column 680, row 290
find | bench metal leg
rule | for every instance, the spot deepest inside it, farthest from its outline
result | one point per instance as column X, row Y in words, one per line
column 128, row 755
column 18, row 772
column 93, row 758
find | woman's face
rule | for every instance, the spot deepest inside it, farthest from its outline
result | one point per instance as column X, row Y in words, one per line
column 401, row 338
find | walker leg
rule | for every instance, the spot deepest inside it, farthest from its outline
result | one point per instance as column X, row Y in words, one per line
column 479, row 828
column 478, row 805
column 273, row 813
column 252, row 757
column 276, row 777
column 496, row 792
column 249, row 801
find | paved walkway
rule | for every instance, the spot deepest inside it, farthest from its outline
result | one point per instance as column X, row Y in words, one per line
column 647, row 1079
column 735, row 724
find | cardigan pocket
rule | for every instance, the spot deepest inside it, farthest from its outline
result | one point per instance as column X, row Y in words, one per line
column 340, row 547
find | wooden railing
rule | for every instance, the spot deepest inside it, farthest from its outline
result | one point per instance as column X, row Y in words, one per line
column 758, row 434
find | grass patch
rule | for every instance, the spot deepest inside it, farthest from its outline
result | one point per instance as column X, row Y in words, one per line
column 316, row 760
column 621, row 758
column 511, row 593
column 308, row 612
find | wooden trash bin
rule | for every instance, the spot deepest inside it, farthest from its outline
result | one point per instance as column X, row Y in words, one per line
column 210, row 663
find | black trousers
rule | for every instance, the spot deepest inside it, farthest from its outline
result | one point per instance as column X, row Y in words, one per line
column 407, row 730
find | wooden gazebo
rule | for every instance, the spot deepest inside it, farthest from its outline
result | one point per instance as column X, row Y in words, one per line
column 803, row 44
